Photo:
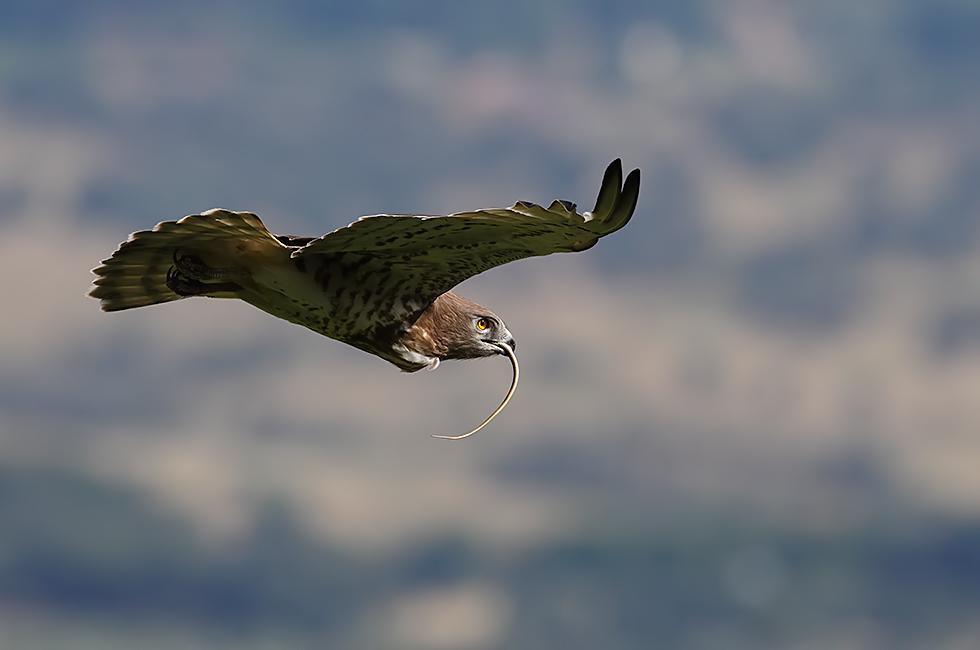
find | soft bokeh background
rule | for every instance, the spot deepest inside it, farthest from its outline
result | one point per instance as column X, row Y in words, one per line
column 749, row 420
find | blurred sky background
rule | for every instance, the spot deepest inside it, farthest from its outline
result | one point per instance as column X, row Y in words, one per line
column 750, row 420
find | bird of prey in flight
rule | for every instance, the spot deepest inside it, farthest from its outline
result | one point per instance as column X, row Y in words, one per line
column 382, row 284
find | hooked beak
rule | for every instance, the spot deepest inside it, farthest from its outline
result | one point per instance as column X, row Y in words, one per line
column 509, row 343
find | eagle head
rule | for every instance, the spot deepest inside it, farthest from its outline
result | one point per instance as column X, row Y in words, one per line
column 452, row 327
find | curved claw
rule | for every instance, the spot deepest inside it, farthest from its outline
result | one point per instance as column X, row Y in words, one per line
column 182, row 286
column 513, row 386
column 194, row 268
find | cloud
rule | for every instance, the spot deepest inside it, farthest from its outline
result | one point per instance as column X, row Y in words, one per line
column 669, row 381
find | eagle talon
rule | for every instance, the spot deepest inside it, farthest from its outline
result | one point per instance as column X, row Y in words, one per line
column 182, row 286
column 194, row 268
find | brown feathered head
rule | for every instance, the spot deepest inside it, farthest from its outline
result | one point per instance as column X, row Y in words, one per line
column 454, row 327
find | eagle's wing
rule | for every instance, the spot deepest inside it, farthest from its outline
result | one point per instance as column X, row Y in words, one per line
column 429, row 255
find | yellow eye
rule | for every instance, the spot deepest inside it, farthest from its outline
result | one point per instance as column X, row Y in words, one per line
column 482, row 324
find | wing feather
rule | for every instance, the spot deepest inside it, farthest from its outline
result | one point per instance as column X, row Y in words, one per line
column 431, row 254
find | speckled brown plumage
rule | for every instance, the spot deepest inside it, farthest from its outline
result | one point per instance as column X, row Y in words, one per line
column 381, row 284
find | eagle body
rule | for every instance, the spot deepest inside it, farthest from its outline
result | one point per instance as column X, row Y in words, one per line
column 382, row 284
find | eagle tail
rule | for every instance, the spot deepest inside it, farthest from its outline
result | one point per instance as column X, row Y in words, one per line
column 139, row 272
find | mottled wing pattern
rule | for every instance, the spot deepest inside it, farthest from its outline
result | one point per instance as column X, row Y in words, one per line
column 425, row 256
column 136, row 274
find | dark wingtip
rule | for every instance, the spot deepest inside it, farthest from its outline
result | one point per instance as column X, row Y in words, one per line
column 612, row 180
column 617, row 200
column 626, row 202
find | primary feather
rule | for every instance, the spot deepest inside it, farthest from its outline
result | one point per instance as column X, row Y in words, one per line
column 439, row 252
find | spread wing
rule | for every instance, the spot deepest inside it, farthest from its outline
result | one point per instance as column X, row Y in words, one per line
column 428, row 255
